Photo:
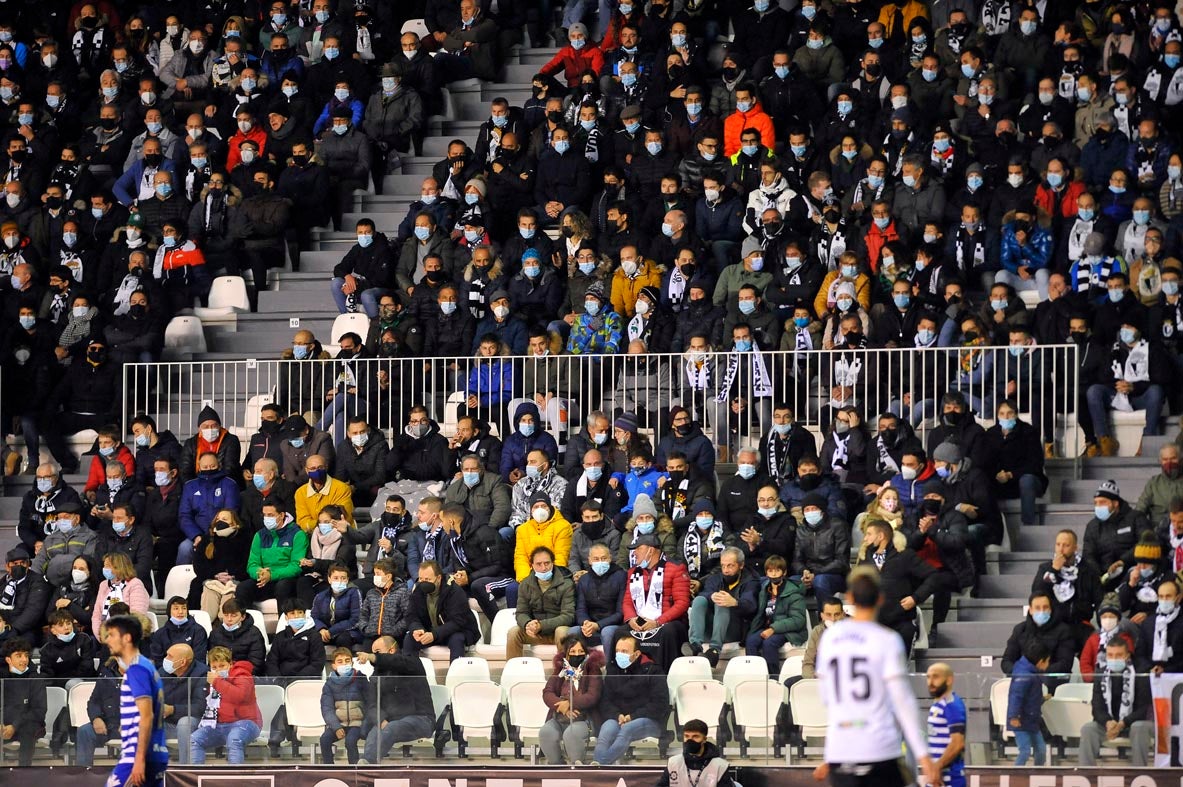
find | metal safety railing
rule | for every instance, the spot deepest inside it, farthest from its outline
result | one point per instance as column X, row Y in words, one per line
column 732, row 395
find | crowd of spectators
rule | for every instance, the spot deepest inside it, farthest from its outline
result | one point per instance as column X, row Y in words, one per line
column 837, row 178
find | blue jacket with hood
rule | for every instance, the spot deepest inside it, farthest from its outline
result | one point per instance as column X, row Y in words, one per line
column 517, row 445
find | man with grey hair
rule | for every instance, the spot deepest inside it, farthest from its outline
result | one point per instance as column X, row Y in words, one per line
column 596, row 434
column 723, row 607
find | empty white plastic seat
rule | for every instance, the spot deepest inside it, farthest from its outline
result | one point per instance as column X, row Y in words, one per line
column 357, row 322
column 466, row 670
column 687, row 668
column 701, row 699
column 474, row 707
column 302, row 700
column 183, row 336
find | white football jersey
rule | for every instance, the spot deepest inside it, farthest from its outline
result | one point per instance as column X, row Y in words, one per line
column 857, row 663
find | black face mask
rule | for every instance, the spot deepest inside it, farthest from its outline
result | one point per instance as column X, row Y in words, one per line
column 391, row 519
column 97, row 356
column 593, row 529
column 1079, row 337
column 269, row 427
column 300, row 160
column 676, row 477
column 425, row 587
column 568, row 231
column 108, row 124
column 888, row 436
column 873, row 70
column 772, row 229
column 435, row 277
column 730, row 73
column 153, row 159
column 832, row 216
column 555, row 117
column 389, row 349
column 18, row 572
column 90, row 22
column 692, row 750
column 138, row 311
column 854, row 339
column 577, row 660
column 19, row 155
column 954, row 417
column 809, row 481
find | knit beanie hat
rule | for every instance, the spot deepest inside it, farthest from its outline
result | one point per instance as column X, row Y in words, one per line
column 644, row 505
column 1108, row 490
column 1148, row 549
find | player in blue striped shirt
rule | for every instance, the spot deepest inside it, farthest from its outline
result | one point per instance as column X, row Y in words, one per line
column 143, row 757
column 946, row 726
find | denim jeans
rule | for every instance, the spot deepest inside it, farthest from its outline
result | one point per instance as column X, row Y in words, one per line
column 708, row 622
column 1026, row 741
column 1030, row 488
column 826, row 586
column 185, row 553
column 1038, row 282
column 183, row 732
column 234, row 736
column 1100, row 397
column 404, row 730
column 352, row 737
column 769, row 649
column 368, row 298
column 88, row 741
column 613, row 739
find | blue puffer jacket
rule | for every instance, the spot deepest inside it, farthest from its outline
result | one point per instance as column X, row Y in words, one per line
column 1035, row 254
column 202, row 498
column 517, row 446
column 491, row 381
column 348, row 610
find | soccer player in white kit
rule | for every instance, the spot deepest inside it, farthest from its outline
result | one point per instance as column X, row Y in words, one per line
column 864, row 685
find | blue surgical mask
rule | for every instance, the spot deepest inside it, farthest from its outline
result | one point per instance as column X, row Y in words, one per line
column 338, row 587
column 562, row 146
column 324, row 527
column 998, row 304
column 743, row 345
column 1115, row 295
column 471, row 479
column 743, row 106
column 160, row 478
column 653, row 147
column 365, row 240
column 108, row 574
column 645, row 528
column 1041, row 618
column 178, row 621
column 341, row 130
column 169, row 666
column 587, row 268
column 623, row 660
column 270, row 522
column 531, row 271
column 1141, row 217
column 966, row 70
column 704, row 522
column 1165, row 607
column 593, row 474
column 296, row 623
column 1171, row 61
column 1054, row 179
column 297, row 442
column 882, row 221
column 800, row 322
column 799, row 150
column 527, row 233
column 1116, row 189
column 526, row 429
column 746, row 471
column 544, row 576
column 1115, row 665
column 750, row 150
column 423, row 233
column 925, row 336
column 901, row 300
column 929, row 74
column 1128, row 335
column 67, row 637
column 628, row 80
column 815, row 43
column 345, row 670
column 471, row 198
column 1083, row 94
column 577, row 43
column 844, row 108
column 299, row 351
column 814, row 516
column 944, row 471
column 1170, row 287
column 258, row 480
column 119, row 527
column 941, row 145
column 678, row 40
column 164, row 189
column 601, row 567
column 1008, row 424
column 809, row 11
column 1086, row 214
column 1016, row 349
column 1102, row 513
column 587, row 125
column 591, row 306
column 27, row 321
column 500, row 121
column 747, row 307
column 973, row 183
column 694, row 110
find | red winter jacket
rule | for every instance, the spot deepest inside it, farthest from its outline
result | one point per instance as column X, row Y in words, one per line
column 675, row 595
column 574, row 62
column 238, row 695
column 97, row 475
column 1062, row 204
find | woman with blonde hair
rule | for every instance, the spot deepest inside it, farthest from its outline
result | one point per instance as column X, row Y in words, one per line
column 886, row 507
column 120, row 583
column 219, row 564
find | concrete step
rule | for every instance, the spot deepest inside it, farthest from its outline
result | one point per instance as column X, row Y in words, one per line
column 386, row 220
column 295, row 301
column 256, row 341
column 287, row 281
column 1041, row 539
column 522, row 73
column 320, row 261
column 1120, row 468
column 516, row 94
column 1083, row 491
column 538, row 57
column 1001, row 612
column 405, row 184
column 986, row 637
column 1001, row 586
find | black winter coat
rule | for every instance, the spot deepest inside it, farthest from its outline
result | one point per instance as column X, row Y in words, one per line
column 373, row 265
column 364, row 471
column 296, row 654
column 424, row 459
column 191, row 634
column 950, row 536
column 903, row 574
column 245, row 643
column 453, row 612
column 1018, row 453
column 1087, row 596
column 822, row 550
column 777, row 536
column 407, row 692
column 1114, row 539
column 1058, row 638
column 639, row 691
column 186, row 693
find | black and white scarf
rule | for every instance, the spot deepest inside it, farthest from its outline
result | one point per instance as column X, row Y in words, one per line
column 1103, row 638
column 1065, row 588
column 777, row 458
column 8, row 593
column 648, row 604
column 114, row 596
column 1162, row 650
column 761, row 382
column 677, row 289
column 698, row 545
column 213, row 703
column 698, row 374
column 678, row 496
column 1080, row 231
column 885, row 464
column 841, row 454
column 430, row 544
column 880, row 558
column 970, row 250
column 457, row 544
column 1126, row 703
